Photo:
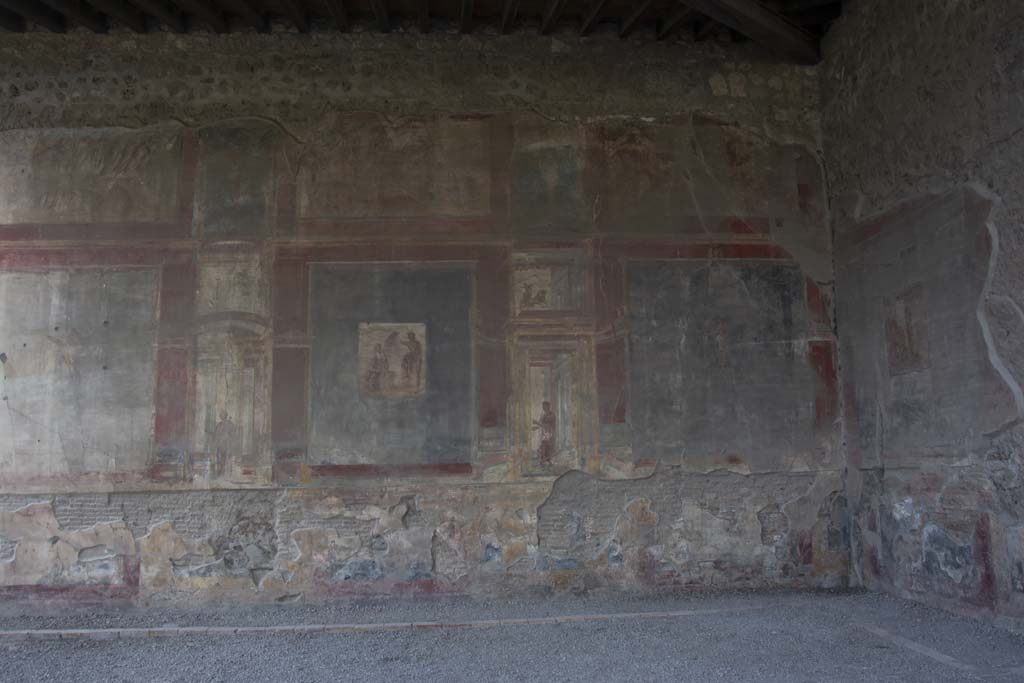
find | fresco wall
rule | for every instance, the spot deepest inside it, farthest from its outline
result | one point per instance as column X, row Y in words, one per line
column 350, row 352
column 928, row 206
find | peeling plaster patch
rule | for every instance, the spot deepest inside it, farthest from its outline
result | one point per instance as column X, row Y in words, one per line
column 774, row 524
column 448, row 553
column 993, row 353
column 7, row 548
column 942, row 553
column 47, row 555
column 903, row 510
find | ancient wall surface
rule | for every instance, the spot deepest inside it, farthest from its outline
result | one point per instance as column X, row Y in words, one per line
column 291, row 316
column 922, row 112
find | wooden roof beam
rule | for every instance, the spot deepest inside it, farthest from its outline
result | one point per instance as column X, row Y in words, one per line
column 631, row 22
column 297, row 13
column 121, row 11
column 679, row 15
column 246, row 11
column 79, row 13
column 794, row 5
column 10, row 21
column 380, row 10
column 551, row 15
column 339, row 13
column 213, row 18
column 763, row 26
column 508, row 15
column 423, row 16
column 591, row 16
column 166, row 14
column 36, row 13
column 815, row 15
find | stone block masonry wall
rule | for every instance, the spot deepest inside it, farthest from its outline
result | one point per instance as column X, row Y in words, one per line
column 922, row 111
column 292, row 316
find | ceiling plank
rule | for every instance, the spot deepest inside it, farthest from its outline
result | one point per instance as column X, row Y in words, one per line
column 297, row 13
column 79, row 14
column 592, row 15
column 166, row 14
column 37, row 14
column 551, row 15
column 121, row 11
column 508, row 15
column 631, row 22
column 9, row 21
column 380, row 10
column 213, row 18
column 679, row 15
column 762, row 25
column 466, row 16
column 423, row 18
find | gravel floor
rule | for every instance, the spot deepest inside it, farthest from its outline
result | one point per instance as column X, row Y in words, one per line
column 736, row 637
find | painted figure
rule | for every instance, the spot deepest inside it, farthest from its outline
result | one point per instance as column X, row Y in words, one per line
column 378, row 371
column 546, row 425
column 412, row 361
column 223, row 439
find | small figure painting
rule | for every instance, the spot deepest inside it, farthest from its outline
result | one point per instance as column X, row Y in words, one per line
column 906, row 331
column 225, row 444
column 378, row 373
column 412, row 360
column 530, row 299
column 545, row 424
column 391, row 359
column 544, row 282
column 533, row 287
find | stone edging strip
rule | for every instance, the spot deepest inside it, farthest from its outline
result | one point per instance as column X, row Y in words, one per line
column 299, row 629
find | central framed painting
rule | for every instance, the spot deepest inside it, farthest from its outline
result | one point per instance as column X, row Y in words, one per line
column 392, row 357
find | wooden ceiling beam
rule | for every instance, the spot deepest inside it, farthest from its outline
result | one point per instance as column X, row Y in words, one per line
column 423, row 16
column 552, row 13
column 631, row 22
column 466, row 16
column 10, row 21
column 508, row 15
column 796, row 5
column 297, row 13
column 78, row 13
column 121, row 11
column 213, row 18
column 679, row 15
column 166, row 14
column 339, row 14
column 814, row 15
column 380, row 10
column 248, row 13
column 763, row 26
column 591, row 16
column 704, row 28
column 37, row 14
